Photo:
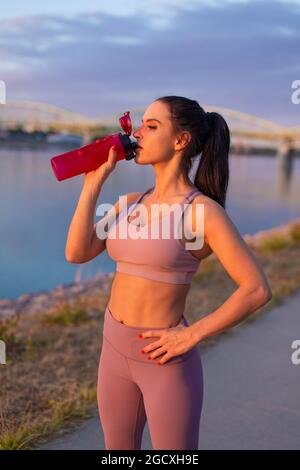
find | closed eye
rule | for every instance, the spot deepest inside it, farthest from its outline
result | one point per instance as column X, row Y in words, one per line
column 152, row 127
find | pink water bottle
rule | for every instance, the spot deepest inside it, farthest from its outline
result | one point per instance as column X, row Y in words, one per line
column 91, row 156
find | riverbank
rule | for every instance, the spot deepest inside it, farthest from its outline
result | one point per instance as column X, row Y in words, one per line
column 54, row 339
column 257, row 360
column 28, row 304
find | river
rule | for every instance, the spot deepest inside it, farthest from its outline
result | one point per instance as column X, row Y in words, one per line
column 36, row 210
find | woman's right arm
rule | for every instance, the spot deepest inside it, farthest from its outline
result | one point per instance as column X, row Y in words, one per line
column 83, row 243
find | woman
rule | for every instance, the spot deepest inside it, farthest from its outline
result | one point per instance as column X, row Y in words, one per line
column 150, row 366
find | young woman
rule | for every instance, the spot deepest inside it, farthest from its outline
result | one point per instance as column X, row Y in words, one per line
column 150, row 366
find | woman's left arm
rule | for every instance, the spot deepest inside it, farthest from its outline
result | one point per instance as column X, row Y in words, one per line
column 239, row 261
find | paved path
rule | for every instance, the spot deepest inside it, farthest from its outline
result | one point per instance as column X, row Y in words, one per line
column 251, row 389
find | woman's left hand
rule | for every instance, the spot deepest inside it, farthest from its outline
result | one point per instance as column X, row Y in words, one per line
column 172, row 342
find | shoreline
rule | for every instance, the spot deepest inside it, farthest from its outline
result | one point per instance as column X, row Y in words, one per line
column 31, row 303
column 54, row 341
column 34, row 302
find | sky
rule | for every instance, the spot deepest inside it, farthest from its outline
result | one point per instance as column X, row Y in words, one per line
column 98, row 58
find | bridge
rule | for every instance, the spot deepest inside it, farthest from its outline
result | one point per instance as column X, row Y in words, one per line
column 246, row 130
column 33, row 116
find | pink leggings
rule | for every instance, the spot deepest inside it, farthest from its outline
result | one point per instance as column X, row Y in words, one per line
column 132, row 389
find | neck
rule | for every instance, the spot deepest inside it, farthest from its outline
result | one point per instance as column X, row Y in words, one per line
column 168, row 187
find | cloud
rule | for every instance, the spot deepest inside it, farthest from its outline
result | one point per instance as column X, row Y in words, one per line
column 99, row 63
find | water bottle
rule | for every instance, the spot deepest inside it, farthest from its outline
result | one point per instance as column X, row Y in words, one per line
column 91, row 156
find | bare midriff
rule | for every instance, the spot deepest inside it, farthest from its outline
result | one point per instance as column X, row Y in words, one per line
column 142, row 302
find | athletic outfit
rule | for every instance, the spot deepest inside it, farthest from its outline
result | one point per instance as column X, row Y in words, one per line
column 132, row 389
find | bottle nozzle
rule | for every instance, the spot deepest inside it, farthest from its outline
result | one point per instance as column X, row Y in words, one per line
column 125, row 123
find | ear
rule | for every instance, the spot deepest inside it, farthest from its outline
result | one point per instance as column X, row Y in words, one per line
column 182, row 140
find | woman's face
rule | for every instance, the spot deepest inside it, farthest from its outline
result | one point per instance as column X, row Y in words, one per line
column 156, row 138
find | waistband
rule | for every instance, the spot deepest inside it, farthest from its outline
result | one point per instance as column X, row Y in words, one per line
column 125, row 340
column 173, row 277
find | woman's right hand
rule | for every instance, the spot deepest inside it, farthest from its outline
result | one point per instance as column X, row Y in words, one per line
column 98, row 176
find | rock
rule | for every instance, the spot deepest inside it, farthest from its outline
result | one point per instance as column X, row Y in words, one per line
column 6, row 303
column 24, row 298
column 7, row 312
column 78, row 288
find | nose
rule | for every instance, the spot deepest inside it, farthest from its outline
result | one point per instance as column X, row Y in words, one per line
column 135, row 134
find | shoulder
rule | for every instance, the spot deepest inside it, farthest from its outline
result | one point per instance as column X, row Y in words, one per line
column 127, row 198
column 214, row 215
column 131, row 197
column 210, row 206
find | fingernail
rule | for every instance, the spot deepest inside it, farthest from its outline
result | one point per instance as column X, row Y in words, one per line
column 149, row 358
column 140, row 335
column 143, row 351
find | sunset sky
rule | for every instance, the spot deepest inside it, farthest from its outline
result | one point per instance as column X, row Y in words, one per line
column 104, row 57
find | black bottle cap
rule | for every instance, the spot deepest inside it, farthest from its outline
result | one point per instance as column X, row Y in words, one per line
column 129, row 146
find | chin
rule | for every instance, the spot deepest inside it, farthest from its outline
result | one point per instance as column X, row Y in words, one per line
column 139, row 160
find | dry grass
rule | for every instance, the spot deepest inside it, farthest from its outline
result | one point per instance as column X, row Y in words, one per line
column 19, row 434
column 51, row 370
column 295, row 232
column 67, row 314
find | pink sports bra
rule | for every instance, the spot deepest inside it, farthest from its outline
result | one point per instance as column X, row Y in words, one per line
column 159, row 259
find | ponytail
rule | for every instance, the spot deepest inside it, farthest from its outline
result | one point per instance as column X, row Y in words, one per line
column 212, row 174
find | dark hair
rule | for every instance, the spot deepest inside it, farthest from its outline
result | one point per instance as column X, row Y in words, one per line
column 209, row 135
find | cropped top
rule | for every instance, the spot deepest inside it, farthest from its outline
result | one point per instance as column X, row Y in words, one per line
column 162, row 259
